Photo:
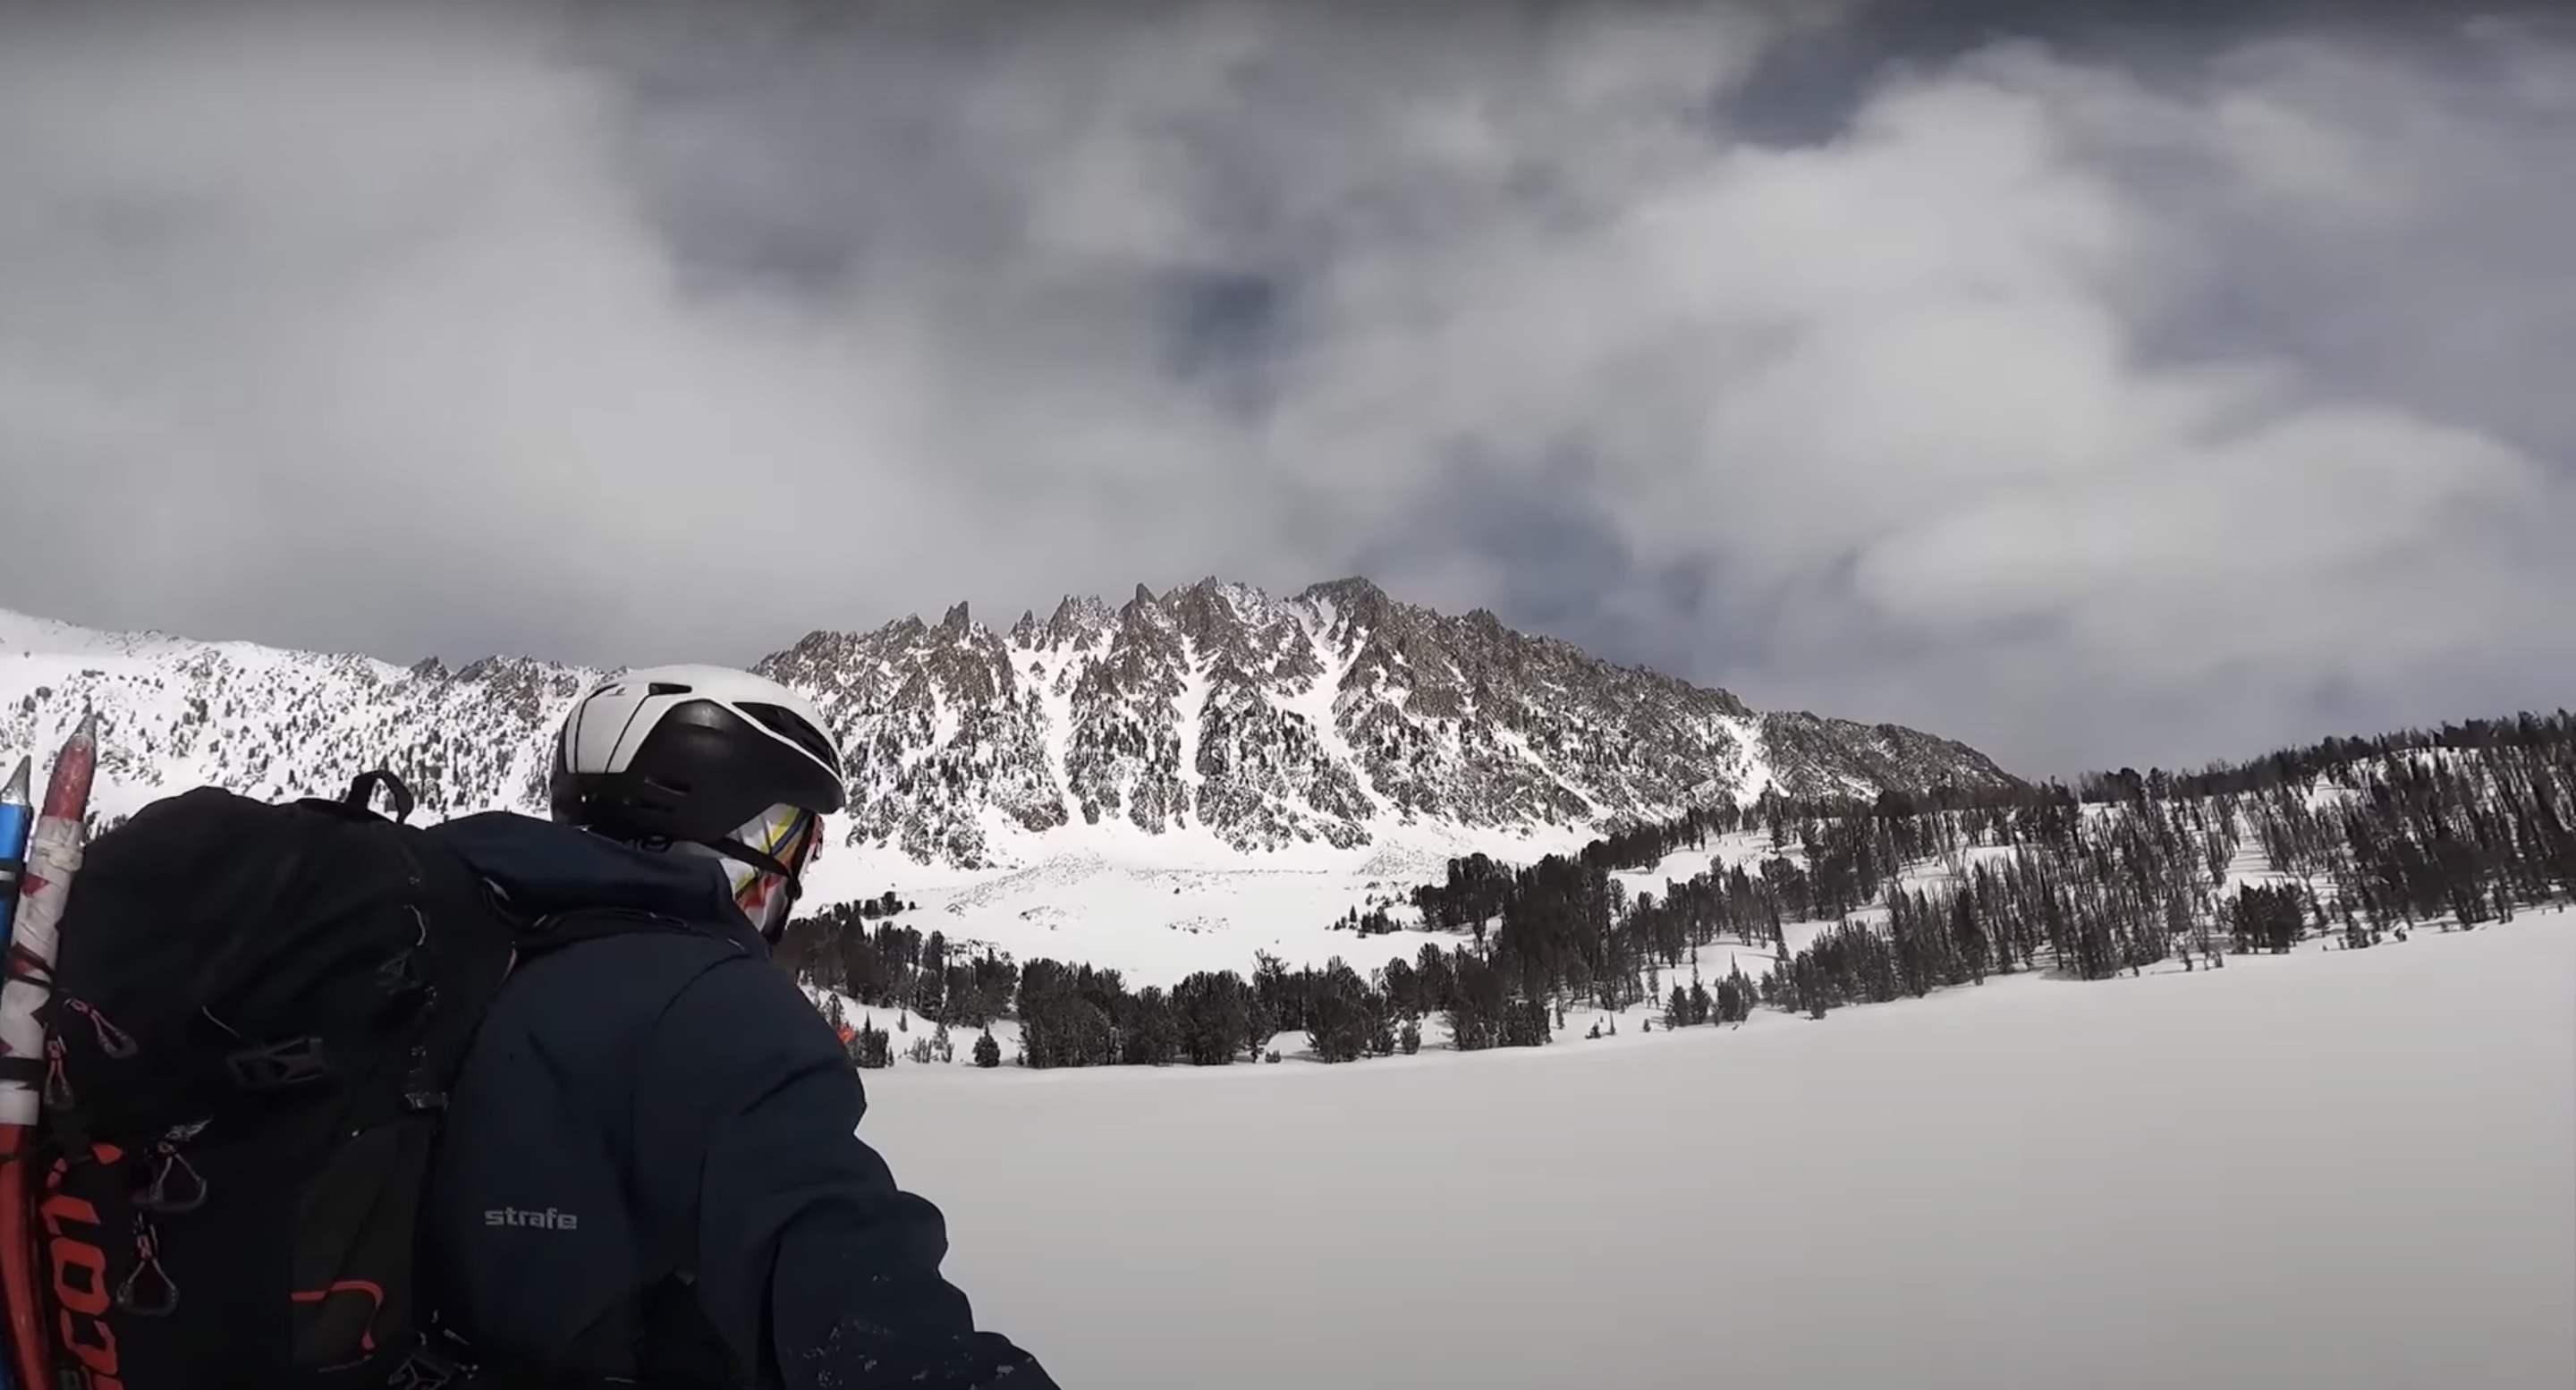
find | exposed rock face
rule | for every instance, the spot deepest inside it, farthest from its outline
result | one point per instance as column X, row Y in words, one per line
column 1330, row 718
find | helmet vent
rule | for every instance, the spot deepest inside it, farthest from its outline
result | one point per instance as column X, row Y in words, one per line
column 667, row 688
column 787, row 725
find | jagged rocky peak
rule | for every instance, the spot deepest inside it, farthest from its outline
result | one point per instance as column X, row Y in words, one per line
column 520, row 687
column 970, row 662
column 1335, row 716
column 1205, row 612
column 1351, row 606
column 1351, row 593
column 1241, row 634
column 1145, row 652
column 1077, row 621
column 821, row 660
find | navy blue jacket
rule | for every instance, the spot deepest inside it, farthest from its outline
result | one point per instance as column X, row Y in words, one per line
column 649, row 1166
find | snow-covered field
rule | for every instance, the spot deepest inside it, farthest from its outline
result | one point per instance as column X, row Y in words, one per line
column 1160, row 922
column 1160, row 908
column 2353, row 1170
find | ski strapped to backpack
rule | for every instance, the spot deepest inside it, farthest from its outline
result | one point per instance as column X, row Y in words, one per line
column 52, row 859
column 257, row 1010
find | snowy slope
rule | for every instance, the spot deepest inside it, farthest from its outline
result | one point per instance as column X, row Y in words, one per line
column 1157, row 925
column 1213, row 727
column 177, row 713
column 2248, row 866
column 1157, row 901
column 2347, row 1169
column 1216, row 722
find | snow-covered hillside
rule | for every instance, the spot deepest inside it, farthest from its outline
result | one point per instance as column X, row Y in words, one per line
column 2336, row 1168
column 177, row 713
column 1213, row 727
column 1803, row 909
column 1215, row 718
column 1159, row 922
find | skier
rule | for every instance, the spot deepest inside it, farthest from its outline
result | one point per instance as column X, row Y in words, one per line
column 649, row 1167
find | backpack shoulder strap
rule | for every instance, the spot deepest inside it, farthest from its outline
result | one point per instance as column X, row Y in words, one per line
column 358, row 803
column 555, row 931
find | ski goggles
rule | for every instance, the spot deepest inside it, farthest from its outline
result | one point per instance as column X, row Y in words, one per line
column 790, row 835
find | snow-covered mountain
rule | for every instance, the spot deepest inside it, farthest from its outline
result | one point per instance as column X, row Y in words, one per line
column 1213, row 715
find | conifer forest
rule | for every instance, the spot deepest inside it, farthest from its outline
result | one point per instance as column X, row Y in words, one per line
column 2360, row 841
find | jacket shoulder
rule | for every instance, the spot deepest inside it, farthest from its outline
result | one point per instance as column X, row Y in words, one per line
column 541, row 868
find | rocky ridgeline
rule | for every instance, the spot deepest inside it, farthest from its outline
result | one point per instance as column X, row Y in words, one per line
column 1328, row 717
column 1333, row 717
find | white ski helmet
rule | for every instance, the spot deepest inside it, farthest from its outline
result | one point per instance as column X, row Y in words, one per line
column 694, row 754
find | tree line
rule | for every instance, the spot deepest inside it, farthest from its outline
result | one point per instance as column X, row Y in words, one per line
column 2358, row 838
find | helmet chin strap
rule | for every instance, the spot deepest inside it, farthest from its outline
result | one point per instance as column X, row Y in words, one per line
column 790, row 884
column 737, row 850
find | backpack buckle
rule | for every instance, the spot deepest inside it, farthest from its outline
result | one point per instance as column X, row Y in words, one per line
column 401, row 974
column 278, row 1064
column 361, row 794
column 425, row 1370
column 421, row 1090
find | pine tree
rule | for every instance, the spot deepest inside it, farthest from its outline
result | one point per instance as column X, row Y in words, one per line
column 871, row 1047
column 2105, row 877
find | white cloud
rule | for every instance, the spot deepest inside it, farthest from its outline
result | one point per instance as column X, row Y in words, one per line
column 2089, row 412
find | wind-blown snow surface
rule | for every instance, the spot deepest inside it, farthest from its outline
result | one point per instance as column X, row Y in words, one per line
column 2334, row 1169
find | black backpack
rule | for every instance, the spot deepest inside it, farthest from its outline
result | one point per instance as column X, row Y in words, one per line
column 257, row 1009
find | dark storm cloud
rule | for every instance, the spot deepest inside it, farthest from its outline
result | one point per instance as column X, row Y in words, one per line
column 2098, row 383
column 1811, row 84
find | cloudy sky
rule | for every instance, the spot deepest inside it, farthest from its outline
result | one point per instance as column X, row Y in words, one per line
column 2159, row 382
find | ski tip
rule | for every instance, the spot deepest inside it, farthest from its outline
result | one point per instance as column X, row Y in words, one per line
column 19, row 789
column 88, row 727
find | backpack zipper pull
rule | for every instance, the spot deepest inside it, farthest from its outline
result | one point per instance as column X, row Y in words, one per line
column 147, row 1254
column 58, row 1088
column 172, row 1163
column 112, row 1040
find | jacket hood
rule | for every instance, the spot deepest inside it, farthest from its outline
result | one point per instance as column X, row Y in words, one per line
column 541, row 867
